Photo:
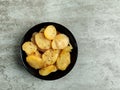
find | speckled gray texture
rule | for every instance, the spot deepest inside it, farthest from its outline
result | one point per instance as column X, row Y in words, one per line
column 96, row 27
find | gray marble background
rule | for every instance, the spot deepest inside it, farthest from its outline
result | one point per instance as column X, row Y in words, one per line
column 96, row 27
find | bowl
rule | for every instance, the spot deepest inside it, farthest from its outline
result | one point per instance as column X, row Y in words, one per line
column 58, row 74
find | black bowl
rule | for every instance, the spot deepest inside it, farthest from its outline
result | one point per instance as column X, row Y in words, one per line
column 57, row 74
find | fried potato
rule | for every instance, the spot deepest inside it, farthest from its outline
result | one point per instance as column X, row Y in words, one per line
column 37, row 53
column 63, row 60
column 42, row 50
column 33, row 37
column 41, row 30
column 68, row 48
column 50, row 32
column 34, row 61
column 50, row 56
column 42, row 42
column 60, row 41
column 29, row 47
column 33, row 40
column 47, row 70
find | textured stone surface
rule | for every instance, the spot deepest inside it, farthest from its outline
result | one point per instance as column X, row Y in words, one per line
column 96, row 27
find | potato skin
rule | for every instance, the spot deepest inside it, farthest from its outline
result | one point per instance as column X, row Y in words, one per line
column 47, row 70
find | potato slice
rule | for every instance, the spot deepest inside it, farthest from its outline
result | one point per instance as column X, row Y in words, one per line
column 41, row 41
column 47, row 70
column 50, row 56
column 37, row 53
column 50, row 32
column 42, row 50
column 68, row 48
column 29, row 47
column 41, row 30
column 63, row 60
column 34, row 61
column 60, row 42
column 33, row 37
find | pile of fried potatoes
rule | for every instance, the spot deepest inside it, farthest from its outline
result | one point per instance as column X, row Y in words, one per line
column 48, row 50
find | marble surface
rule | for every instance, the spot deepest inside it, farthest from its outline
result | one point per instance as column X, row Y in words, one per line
column 96, row 27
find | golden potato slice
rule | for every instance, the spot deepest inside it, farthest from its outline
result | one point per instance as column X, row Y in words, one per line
column 41, row 41
column 41, row 30
column 68, row 48
column 42, row 50
column 47, row 70
column 37, row 53
column 33, row 37
column 34, row 61
column 50, row 56
column 60, row 41
column 29, row 47
column 50, row 32
column 63, row 60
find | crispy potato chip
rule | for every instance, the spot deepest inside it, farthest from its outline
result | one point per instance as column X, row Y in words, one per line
column 42, row 30
column 37, row 53
column 42, row 50
column 33, row 37
column 34, row 61
column 29, row 47
column 68, row 48
column 50, row 56
column 50, row 32
column 63, row 60
column 47, row 70
column 42, row 42
column 60, row 41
